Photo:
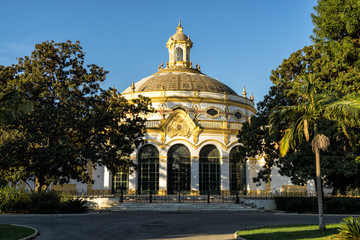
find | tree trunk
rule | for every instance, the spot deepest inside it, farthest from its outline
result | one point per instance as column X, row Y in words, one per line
column 319, row 190
column 39, row 185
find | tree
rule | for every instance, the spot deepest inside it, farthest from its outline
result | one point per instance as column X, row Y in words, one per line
column 11, row 106
column 335, row 20
column 334, row 60
column 73, row 121
column 11, row 103
column 255, row 137
column 304, row 119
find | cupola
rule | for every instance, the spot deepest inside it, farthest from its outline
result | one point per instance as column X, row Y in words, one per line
column 179, row 46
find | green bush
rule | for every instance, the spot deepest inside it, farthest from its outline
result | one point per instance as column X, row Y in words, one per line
column 13, row 200
column 350, row 228
column 296, row 204
column 309, row 204
column 45, row 202
column 76, row 205
column 342, row 205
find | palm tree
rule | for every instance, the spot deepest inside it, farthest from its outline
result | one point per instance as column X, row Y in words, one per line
column 11, row 105
column 303, row 119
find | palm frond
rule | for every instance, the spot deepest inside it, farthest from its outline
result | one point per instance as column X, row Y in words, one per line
column 346, row 110
column 284, row 114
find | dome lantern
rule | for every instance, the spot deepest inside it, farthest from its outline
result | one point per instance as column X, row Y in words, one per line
column 179, row 46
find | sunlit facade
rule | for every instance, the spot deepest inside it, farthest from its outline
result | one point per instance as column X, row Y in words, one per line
column 191, row 137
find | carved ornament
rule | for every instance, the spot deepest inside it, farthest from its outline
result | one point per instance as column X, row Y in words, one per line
column 179, row 124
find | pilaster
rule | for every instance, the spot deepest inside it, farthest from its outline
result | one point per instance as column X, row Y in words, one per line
column 194, row 176
column 225, row 174
column 162, row 175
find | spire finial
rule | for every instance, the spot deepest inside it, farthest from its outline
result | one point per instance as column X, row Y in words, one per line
column 244, row 92
column 179, row 28
column 133, row 86
column 252, row 97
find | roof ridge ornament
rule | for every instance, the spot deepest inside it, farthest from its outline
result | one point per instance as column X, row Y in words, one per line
column 252, row 97
column 179, row 28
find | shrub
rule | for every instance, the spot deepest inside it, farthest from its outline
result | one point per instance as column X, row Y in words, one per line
column 296, row 204
column 76, row 205
column 13, row 200
column 350, row 228
column 45, row 202
column 342, row 205
column 309, row 204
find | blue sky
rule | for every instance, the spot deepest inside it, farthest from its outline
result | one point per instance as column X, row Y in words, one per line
column 237, row 42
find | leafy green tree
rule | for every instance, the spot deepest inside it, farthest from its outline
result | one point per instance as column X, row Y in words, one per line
column 11, row 103
column 335, row 20
column 305, row 117
column 73, row 121
column 255, row 137
column 334, row 61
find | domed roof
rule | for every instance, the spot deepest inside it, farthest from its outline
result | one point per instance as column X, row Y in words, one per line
column 179, row 36
column 180, row 81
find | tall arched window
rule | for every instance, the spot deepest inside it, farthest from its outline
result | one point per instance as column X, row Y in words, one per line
column 209, row 170
column 237, row 173
column 179, row 169
column 179, row 54
column 148, row 169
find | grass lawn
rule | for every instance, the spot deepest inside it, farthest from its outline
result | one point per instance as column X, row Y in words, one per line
column 293, row 232
column 10, row 232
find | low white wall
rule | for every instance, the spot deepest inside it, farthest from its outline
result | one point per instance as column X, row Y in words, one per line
column 99, row 203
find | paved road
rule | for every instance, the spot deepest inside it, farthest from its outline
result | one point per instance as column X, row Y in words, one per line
column 154, row 225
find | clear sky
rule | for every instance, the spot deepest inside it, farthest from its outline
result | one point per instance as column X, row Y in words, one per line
column 237, row 42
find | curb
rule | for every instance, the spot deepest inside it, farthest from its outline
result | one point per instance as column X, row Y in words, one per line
column 32, row 236
column 235, row 236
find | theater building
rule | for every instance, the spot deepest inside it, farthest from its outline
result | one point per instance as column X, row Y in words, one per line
column 191, row 138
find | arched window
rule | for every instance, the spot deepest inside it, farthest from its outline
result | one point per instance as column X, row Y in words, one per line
column 237, row 173
column 148, row 169
column 179, row 169
column 209, row 170
column 179, row 54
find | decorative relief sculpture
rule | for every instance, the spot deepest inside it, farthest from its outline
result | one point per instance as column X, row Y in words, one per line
column 179, row 123
column 226, row 139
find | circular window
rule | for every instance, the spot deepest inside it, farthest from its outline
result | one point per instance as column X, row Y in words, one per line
column 238, row 115
column 212, row 112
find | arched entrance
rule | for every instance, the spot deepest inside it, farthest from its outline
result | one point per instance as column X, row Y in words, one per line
column 179, row 169
column 209, row 170
column 237, row 173
column 148, row 169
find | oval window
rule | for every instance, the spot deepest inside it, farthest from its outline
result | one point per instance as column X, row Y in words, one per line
column 212, row 112
column 238, row 115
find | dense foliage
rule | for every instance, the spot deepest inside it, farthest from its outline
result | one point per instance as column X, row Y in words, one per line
column 334, row 61
column 350, row 228
column 73, row 120
column 13, row 200
column 343, row 205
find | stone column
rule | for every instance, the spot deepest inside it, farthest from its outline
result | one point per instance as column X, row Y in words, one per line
column 133, row 180
column 195, row 176
column 225, row 175
column 162, row 175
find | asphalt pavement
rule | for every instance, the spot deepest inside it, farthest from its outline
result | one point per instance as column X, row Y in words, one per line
column 155, row 225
